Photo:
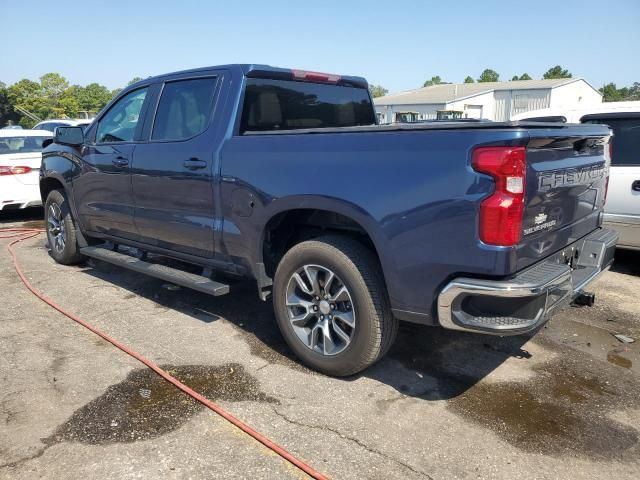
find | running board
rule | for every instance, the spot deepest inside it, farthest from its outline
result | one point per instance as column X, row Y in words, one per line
column 185, row 279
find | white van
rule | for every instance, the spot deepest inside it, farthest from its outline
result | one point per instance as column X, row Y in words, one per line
column 622, row 211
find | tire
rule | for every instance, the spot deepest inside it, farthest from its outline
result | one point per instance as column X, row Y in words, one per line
column 371, row 329
column 61, row 229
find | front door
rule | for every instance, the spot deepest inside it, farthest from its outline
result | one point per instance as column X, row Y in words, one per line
column 172, row 173
column 102, row 192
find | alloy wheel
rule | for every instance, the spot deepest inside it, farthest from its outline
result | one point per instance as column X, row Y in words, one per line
column 320, row 309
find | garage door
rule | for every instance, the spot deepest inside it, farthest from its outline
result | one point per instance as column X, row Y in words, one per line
column 473, row 111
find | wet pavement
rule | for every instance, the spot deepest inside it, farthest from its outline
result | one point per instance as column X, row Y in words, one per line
column 561, row 403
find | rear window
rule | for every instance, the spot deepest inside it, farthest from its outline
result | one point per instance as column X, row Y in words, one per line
column 289, row 105
column 626, row 138
column 21, row 144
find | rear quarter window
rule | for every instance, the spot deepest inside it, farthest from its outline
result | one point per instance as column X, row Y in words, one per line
column 626, row 138
column 289, row 105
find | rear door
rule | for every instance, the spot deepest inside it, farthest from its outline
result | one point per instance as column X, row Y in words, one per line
column 173, row 170
column 102, row 191
column 622, row 210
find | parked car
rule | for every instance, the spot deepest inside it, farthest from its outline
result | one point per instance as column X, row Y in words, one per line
column 622, row 212
column 284, row 177
column 50, row 125
column 20, row 157
column 12, row 127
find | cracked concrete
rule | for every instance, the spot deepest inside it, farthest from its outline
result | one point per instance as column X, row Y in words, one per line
column 420, row 413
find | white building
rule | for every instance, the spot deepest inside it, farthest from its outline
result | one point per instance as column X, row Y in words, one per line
column 497, row 101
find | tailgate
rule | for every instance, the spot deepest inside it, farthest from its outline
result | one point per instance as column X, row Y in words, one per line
column 567, row 171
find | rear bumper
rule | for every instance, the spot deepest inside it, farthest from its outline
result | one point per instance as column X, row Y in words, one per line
column 627, row 226
column 522, row 303
column 18, row 204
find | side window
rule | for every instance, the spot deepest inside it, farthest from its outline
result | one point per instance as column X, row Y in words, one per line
column 120, row 122
column 626, row 138
column 184, row 109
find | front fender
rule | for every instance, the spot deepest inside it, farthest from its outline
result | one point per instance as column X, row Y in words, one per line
column 62, row 166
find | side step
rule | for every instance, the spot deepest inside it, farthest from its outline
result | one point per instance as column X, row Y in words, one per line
column 185, row 279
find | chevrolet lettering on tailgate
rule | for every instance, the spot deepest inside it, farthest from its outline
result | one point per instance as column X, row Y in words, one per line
column 570, row 177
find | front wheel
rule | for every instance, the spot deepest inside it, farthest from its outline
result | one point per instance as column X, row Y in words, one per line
column 331, row 305
column 61, row 230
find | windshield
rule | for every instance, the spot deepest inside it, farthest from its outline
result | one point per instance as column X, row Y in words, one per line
column 21, row 144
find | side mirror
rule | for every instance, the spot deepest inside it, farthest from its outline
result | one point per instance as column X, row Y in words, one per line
column 72, row 136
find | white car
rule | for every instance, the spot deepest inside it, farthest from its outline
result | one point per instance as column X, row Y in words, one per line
column 20, row 159
column 622, row 210
column 50, row 125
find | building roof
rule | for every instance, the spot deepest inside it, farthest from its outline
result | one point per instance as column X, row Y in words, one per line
column 448, row 92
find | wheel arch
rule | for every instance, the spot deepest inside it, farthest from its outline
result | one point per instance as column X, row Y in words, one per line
column 305, row 217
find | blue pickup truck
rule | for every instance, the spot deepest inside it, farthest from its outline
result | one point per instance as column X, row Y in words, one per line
column 349, row 227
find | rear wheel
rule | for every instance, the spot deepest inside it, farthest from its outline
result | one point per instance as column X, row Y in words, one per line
column 331, row 305
column 61, row 230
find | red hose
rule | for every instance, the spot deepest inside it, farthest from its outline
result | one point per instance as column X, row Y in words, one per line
column 22, row 234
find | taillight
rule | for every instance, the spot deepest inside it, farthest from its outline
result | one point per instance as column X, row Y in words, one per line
column 501, row 213
column 315, row 76
column 609, row 151
column 14, row 170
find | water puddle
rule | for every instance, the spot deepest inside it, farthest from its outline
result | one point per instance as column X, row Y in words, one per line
column 560, row 411
column 562, row 405
column 33, row 224
column 145, row 406
column 614, row 357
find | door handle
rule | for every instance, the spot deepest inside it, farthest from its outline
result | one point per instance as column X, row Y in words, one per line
column 120, row 161
column 635, row 186
column 194, row 164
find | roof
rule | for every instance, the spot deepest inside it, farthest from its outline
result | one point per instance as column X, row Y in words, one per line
column 247, row 69
column 573, row 113
column 449, row 92
column 10, row 132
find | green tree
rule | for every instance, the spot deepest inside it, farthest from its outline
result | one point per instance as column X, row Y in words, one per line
column 557, row 72
column 488, row 75
column 634, row 91
column 28, row 95
column 53, row 85
column 69, row 103
column 524, row 76
column 469, row 79
column 611, row 93
column 134, row 80
column 434, row 81
column 7, row 113
column 378, row 91
column 93, row 97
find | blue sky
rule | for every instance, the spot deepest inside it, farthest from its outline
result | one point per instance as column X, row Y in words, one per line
column 397, row 44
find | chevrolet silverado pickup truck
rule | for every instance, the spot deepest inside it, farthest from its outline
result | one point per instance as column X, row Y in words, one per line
column 282, row 176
